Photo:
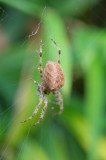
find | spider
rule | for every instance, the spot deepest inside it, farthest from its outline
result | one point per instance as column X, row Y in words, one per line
column 52, row 80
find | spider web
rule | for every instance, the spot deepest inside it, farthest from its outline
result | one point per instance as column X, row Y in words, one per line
column 11, row 108
column 9, row 111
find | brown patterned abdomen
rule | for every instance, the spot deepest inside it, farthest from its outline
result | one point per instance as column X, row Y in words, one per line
column 53, row 76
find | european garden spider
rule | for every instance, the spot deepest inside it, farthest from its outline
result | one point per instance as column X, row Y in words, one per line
column 52, row 80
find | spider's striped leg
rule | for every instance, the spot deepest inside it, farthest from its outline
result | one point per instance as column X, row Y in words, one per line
column 59, row 97
column 43, row 112
column 41, row 70
column 35, row 82
column 58, row 50
column 37, row 108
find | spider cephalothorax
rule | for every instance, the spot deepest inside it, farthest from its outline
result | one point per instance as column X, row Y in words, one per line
column 52, row 80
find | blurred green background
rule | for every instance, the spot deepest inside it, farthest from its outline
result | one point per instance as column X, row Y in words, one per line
column 79, row 28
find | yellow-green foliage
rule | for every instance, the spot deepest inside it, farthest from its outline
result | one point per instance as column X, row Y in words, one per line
column 79, row 133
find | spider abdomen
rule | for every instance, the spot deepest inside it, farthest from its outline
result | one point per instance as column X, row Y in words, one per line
column 53, row 76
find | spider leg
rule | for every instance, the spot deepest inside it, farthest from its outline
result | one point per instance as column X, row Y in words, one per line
column 41, row 70
column 37, row 108
column 58, row 95
column 43, row 112
column 35, row 82
column 58, row 50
